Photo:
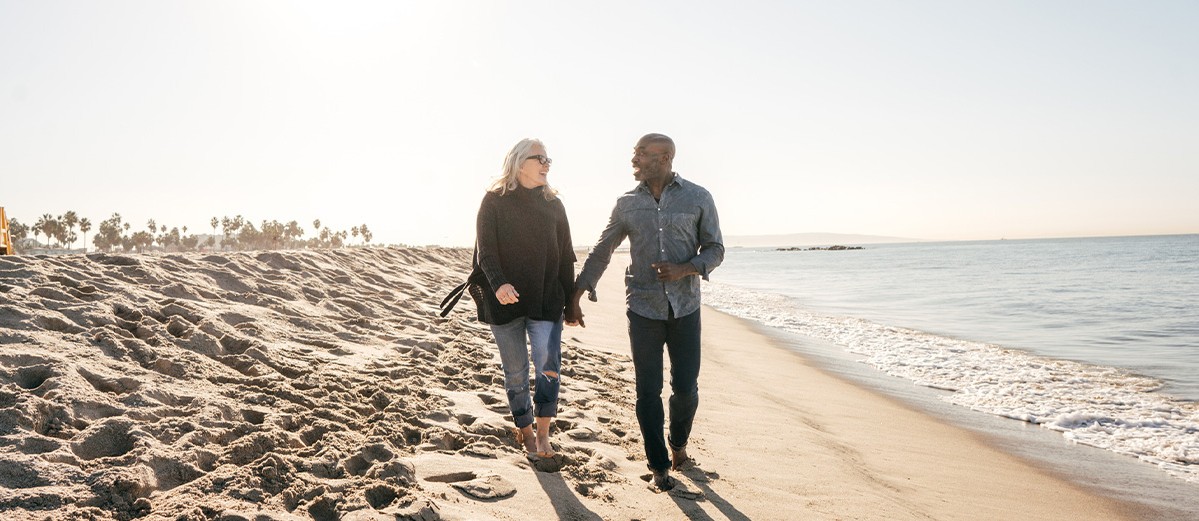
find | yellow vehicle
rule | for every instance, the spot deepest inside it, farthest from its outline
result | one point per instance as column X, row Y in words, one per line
column 5, row 238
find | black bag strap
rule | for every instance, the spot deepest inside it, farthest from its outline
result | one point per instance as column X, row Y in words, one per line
column 453, row 298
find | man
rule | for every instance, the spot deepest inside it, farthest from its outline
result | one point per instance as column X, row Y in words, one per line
column 674, row 236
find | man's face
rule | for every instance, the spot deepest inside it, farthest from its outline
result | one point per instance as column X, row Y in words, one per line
column 650, row 160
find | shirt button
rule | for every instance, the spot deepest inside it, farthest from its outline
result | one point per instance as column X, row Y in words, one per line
column 664, row 251
column 659, row 229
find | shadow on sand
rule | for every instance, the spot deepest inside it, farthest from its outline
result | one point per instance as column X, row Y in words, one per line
column 566, row 503
column 699, row 478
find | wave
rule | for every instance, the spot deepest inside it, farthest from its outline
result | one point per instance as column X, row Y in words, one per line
column 1092, row 405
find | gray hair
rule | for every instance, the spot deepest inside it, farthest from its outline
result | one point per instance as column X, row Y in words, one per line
column 510, row 174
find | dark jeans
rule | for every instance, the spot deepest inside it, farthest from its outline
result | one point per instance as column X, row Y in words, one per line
column 681, row 337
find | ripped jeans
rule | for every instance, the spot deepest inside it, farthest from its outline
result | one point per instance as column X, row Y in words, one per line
column 514, row 340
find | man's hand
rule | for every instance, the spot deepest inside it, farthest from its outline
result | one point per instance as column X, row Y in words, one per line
column 507, row 295
column 573, row 315
column 669, row 271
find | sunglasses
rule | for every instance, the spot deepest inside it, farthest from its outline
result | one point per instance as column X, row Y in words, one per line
column 545, row 161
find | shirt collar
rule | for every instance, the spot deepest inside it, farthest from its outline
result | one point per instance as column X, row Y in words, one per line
column 677, row 180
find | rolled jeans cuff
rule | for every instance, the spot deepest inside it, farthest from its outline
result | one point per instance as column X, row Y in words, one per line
column 545, row 410
column 523, row 420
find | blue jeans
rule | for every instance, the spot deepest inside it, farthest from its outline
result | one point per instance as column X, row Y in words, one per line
column 515, row 340
column 681, row 338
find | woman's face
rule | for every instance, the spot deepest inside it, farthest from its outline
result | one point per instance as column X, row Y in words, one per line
column 534, row 170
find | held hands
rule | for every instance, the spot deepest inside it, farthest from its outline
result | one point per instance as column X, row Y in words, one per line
column 668, row 271
column 573, row 315
column 507, row 295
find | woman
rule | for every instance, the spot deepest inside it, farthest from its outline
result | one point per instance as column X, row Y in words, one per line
column 525, row 252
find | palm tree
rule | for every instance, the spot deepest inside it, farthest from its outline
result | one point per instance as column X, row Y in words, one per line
column 40, row 226
column 85, row 225
column 18, row 230
column 293, row 231
column 142, row 240
column 69, row 220
column 354, row 232
column 226, row 223
column 366, row 234
column 58, row 231
column 48, row 226
column 316, row 224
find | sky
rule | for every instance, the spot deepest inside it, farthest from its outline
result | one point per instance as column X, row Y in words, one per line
column 935, row 120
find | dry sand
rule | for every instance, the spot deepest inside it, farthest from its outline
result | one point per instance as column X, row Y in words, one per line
column 321, row 385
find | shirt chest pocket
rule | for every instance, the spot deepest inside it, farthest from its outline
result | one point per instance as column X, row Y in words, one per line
column 683, row 223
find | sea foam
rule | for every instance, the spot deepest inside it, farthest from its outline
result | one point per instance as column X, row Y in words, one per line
column 1098, row 406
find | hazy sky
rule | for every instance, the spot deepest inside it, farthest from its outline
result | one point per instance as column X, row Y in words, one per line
column 932, row 120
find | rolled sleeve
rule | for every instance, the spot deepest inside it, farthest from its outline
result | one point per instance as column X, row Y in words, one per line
column 711, row 242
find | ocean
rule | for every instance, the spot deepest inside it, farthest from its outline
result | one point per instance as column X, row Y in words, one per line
column 1094, row 338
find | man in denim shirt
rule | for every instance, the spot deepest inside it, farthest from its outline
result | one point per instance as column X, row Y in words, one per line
column 674, row 236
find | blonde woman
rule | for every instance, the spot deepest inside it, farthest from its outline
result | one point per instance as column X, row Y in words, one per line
column 525, row 252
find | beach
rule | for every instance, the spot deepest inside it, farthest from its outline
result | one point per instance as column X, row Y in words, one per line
column 322, row 385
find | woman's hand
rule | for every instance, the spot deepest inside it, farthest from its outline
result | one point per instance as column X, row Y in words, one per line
column 507, row 295
column 573, row 314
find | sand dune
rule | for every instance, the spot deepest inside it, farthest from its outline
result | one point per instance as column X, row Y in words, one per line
column 293, row 385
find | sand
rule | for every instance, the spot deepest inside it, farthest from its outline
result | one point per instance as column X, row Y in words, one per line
column 322, row 385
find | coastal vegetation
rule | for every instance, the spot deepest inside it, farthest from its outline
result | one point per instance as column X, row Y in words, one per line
column 63, row 232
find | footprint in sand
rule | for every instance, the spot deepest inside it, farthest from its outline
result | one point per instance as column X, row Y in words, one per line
column 108, row 439
column 382, row 496
column 581, row 434
column 32, row 377
column 108, row 383
column 487, row 487
column 56, row 324
column 361, row 463
column 551, row 464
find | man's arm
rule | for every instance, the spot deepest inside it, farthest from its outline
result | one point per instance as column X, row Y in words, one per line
column 601, row 255
column 711, row 242
column 597, row 262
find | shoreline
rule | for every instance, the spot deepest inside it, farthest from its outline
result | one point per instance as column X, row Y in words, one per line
column 1143, row 490
column 811, row 444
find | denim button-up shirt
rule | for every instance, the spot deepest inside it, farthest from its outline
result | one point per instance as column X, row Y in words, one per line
column 681, row 228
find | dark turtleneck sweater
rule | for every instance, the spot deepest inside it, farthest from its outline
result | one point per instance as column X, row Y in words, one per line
column 524, row 240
